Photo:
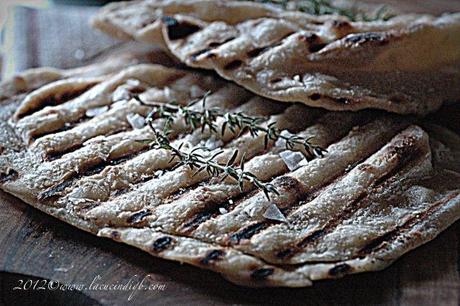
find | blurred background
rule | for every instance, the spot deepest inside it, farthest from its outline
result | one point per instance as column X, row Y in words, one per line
column 28, row 27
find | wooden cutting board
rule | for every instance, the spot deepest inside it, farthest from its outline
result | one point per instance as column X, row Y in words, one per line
column 36, row 248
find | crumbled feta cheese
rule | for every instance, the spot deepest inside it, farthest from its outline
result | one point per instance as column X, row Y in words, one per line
column 223, row 210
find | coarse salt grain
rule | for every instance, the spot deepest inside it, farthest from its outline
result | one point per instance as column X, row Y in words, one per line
column 280, row 142
column 273, row 213
column 293, row 160
column 93, row 112
column 135, row 120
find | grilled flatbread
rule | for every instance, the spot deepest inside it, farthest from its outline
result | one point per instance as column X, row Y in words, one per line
column 385, row 186
column 409, row 64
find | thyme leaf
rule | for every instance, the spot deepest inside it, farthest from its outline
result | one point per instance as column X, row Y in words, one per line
column 206, row 118
column 194, row 159
column 204, row 159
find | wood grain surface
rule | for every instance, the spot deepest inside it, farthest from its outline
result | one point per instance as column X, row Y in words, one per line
column 36, row 247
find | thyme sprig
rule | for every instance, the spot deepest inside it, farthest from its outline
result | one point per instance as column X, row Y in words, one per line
column 194, row 159
column 326, row 7
column 206, row 118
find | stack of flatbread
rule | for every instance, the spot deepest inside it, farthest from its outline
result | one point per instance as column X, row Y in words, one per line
column 72, row 142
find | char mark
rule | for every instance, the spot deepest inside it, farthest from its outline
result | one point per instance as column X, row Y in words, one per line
column 215, row 44
column 54, row 154
column 179, row 29
column 55, row 191
column 314, row 42
column 407, row 152
column 233, row 65
column 9, row 175
column 386, row 238
column 340, row 270
column 194, row 56
column 316, row 47
column 247, row 232
column 54, row 100
column 161, row 244
column 286, row 253
column 210, row 211
column 361, row 38
column 212, row 256
column 342, row 100
column 138, row 216
column 257, row 51
column 261, row 274
column 195, row 221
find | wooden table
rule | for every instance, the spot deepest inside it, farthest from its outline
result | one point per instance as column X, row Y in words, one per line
column 35, row 246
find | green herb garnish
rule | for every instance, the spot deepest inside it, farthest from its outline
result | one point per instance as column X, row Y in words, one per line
column 206, row 118
column 326, row 7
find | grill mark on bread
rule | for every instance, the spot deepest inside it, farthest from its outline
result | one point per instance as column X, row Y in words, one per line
column 207, row 213
column 331, row 224
column 407, row 150
column 211, row 46
column 100, row 167
column 378, row 243
column 53, row 100
column 254, row 271
column 161, row 244
column 291, row 200
column 179, row 29
column 314, row 42
column 254, row 53
column 212, row 256
column 210, row 211
column 362, row 38
column 315, row 192
column 55, row 191
column 258, row 51
column 340, row 270
column 138, row 216
column 235, row 64
column 75, row 112
column 247, row 232
column 58, row 190
column 8, row 176
column 262, row 273
column 54, row 154
column 83, row 130
column 411, row 154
